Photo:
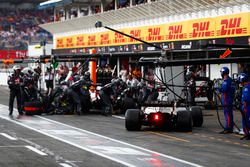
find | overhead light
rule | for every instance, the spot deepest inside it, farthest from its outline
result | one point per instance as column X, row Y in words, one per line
column 49, row 2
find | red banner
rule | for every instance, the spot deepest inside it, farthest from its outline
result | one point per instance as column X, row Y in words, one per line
column 13, row 54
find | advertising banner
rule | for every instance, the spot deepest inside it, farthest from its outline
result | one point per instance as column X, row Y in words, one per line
column 13, row 54
column 236, row 25
column 175, row 45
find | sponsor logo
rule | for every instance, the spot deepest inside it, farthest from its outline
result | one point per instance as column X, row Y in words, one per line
column 175, row 32
column 201, row 29
column 80, row 41
column 69, row 42
column 59, row 43
column 136, row 34
column 231, row 26
column 154, row 34
column 119, row 38
column 150, row 48
column 105, row 39
column 92, row 40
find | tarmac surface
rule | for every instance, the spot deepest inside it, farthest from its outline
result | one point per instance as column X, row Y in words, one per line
column 95, row 140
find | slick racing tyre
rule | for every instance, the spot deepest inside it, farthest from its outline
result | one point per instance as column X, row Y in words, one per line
column 197, row 116
column 33, row 108
column 128, row 103
column 132, row 120
column 184, row 121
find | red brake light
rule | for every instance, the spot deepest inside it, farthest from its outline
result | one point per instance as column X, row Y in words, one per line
column 156, row 117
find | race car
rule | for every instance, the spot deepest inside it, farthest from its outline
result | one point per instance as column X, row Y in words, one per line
column 164, row 115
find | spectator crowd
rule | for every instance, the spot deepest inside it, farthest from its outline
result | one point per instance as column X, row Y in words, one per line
column 19, row 27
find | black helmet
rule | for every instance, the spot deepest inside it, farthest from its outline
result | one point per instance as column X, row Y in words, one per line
column 189, row 75
column 86, row 76
column 118, row 81
column 76, row 77
column 49, row 68
column 191, row 68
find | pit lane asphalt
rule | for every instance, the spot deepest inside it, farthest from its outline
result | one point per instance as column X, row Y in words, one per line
column 203, row 146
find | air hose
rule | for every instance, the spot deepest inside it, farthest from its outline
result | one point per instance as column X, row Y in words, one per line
column 217, row 110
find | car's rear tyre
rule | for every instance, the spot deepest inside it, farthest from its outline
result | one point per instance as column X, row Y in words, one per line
column 197, row 116
column 33, row 108
column 132, row 120
column 184, row 121
column 128, row 103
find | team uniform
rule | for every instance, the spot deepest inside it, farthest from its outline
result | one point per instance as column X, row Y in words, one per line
column 245, row 101
column 246, row 109
column 14, row 83
column 227, row 90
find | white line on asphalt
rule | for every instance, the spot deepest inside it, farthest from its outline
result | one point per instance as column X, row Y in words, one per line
column 65, row 165
column 16, row 146
column 68, row 142
column 164, row 155
column 120, row 117
column 36, row 150
column 8, row 136
column 95, row 152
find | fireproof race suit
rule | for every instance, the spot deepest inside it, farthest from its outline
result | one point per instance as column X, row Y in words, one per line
column 14, row 82
column 227, row 90
column 246, row 108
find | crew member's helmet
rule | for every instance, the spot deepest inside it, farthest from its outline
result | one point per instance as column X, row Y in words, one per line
column 37, row 69
column 243, row 77
column 76, row 77
column 119, row 81
column 16, row 67
column 49, row 69
column 189, row 75
column 224, row 71
column 191, row 68
column 28, row 71
column 86, row 76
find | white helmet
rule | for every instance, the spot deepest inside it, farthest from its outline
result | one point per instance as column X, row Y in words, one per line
column 28, row 71
column 16, row 67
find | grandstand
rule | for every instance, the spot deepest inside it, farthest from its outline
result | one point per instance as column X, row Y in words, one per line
column 19, row 20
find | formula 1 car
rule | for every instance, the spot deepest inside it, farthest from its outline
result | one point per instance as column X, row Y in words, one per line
column 164, row 115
